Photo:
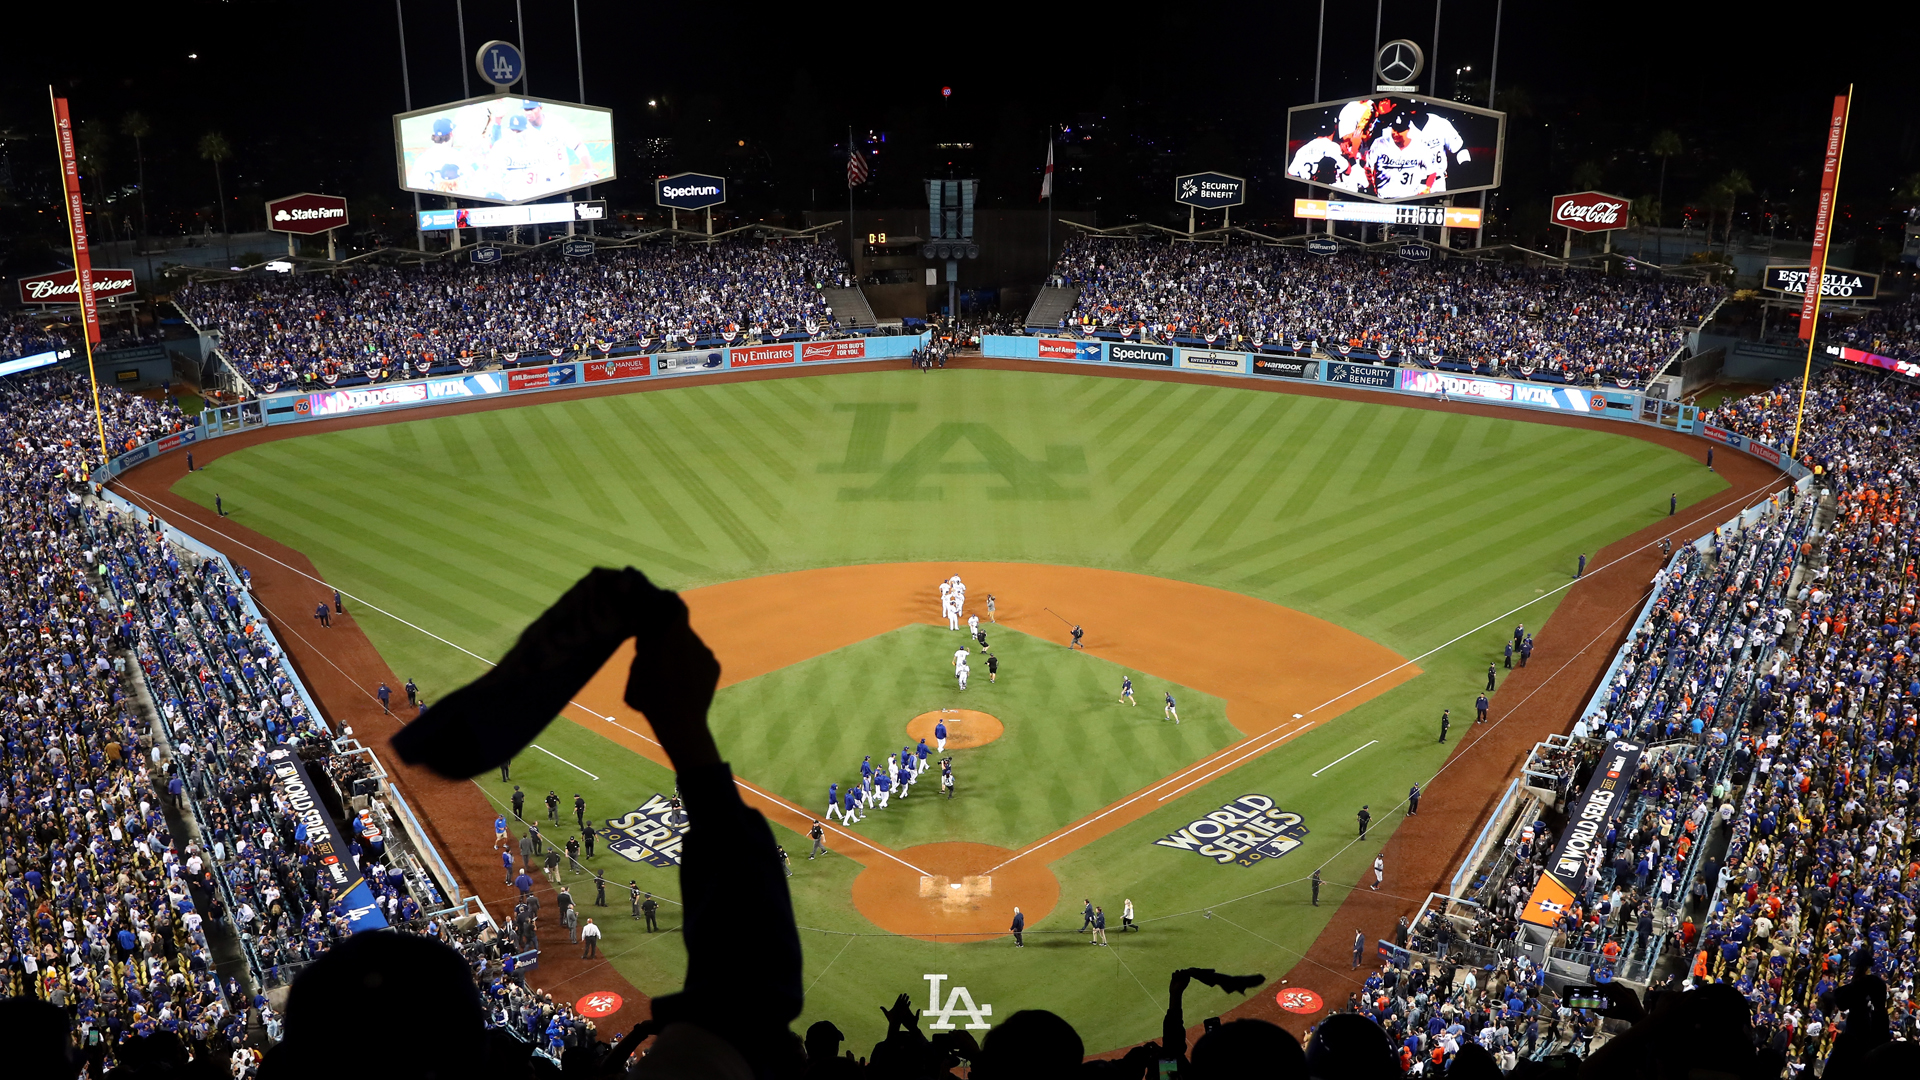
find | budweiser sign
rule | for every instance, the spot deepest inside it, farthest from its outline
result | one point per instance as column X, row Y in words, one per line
column 1590, row 211
column 61, row 287
column 307, row 214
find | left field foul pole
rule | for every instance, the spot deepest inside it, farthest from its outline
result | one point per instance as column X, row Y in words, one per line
column 82, row 257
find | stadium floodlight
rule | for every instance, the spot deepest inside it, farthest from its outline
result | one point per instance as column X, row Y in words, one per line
column 1390, row 147
column 503, row 148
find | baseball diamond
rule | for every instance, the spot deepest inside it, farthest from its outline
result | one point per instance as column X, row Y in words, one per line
column 1305, row 569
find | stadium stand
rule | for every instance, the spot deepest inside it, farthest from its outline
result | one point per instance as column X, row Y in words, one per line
column 370, row 322
column 1562, row 325
column 136, row 845
column 1891, row 330
column 1766, row 855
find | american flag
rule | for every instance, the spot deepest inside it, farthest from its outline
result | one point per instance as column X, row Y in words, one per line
column 856, row 168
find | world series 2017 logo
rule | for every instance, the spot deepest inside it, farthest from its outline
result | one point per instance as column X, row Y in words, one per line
column 1244, row 831
column 650, row 834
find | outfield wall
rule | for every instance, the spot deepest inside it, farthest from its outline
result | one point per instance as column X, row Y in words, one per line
column 1625, row 406
column 298, row 407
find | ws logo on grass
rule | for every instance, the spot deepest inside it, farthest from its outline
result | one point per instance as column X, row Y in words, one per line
column 1244, row 831
column 650, row 834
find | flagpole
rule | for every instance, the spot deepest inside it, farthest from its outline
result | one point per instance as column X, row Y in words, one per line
column 1049, row 199
column 852, row 240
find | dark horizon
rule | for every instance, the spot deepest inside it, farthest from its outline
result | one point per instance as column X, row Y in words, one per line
column 769, row 105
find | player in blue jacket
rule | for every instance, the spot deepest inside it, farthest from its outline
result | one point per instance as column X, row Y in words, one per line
column 833, row 800
column 882, row 790
column 1173, row 714
column 905, row 779
column 920, row 755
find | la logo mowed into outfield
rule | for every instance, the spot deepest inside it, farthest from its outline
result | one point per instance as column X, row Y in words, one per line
column 943, row 452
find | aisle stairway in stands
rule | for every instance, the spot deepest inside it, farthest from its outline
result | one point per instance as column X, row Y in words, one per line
column 1052, row 305
column 851, row 306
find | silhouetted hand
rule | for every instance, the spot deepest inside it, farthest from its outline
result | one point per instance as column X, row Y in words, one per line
column 902, row 1016
column 672, row 681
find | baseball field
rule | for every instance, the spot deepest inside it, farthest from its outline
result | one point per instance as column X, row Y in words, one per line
column 1312, row 579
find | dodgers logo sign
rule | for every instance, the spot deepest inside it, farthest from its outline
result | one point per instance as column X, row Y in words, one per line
column 690, row 191
column 650, row 834
column 1244, row 831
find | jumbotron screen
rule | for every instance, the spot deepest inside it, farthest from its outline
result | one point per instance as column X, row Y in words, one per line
column 1395, row 146
column 504, row 148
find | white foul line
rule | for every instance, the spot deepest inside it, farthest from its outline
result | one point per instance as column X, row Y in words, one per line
column 1344, row 757
column 765, row 796
column 558, row 758
column 1253, row 742
column 1253, row 749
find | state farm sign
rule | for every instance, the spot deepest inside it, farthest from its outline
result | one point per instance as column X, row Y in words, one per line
column 306, row 214
column 1590, row 211
column 61, row 287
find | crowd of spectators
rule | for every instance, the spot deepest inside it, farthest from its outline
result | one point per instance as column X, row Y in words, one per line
column 125, row 843
column 381, row 321
column 1889, row 330
column 1581, row 324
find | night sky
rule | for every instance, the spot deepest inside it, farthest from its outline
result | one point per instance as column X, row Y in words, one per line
column 304, row 94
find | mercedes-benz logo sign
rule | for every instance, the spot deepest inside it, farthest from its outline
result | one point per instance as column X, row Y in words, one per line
column 1399, row 62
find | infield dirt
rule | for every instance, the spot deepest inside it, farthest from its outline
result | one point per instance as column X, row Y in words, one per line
column 341, row 667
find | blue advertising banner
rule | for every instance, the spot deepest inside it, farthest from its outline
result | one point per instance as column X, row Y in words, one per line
column 333, row 858
column 1126, row 352
column 1385, row 378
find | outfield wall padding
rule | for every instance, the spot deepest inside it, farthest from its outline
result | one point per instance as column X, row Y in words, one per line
column 1625, row 406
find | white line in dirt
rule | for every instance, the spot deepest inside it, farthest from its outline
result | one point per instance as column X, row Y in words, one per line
column 1344, row 756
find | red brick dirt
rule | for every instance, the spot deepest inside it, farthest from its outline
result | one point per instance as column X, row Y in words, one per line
column 340, row 668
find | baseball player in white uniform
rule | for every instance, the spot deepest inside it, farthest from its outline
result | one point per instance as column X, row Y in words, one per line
column 963, row 670
column 973, row 626
column 960, row 656
column 946, row 597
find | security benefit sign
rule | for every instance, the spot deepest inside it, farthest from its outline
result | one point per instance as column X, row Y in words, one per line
column 1573, row 861
column 650, row 834
column 1244, row 831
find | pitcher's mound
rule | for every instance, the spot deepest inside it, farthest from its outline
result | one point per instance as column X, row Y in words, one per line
column 966, row 728
column 955, row 891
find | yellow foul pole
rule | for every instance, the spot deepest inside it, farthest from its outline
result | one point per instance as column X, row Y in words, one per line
column 1817, row 266
column 82, row 257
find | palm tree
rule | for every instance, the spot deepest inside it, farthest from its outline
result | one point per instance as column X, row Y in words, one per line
column 90, row 149
column 135, row 126
column 215, row 148
column 1735, row 184
column 1644, row 209
column 1717, row 198
column 1665, row 144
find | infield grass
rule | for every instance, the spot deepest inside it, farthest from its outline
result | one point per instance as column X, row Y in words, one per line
column 1407, row 526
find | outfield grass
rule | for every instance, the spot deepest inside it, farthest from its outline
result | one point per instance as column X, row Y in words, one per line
column 1407, row 526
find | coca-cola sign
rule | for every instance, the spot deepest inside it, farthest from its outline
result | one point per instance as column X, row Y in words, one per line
column 307, row 214
column 1590, row 211
column 61, row 287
